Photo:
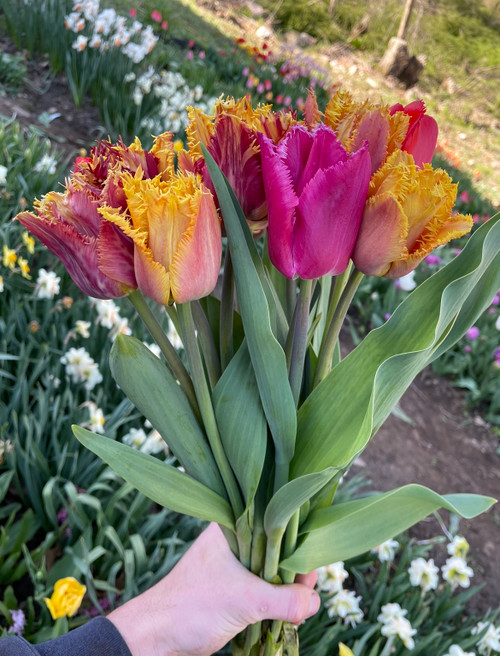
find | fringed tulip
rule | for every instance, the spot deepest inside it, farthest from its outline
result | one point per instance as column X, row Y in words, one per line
column 315, row 194
column 355, row 123
column 231, row 138
column 176, row 233
column 70, row 226
column 408, row 214
column 421, row 138
column 97, row 254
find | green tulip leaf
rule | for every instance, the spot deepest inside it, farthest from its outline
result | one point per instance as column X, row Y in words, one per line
column 159, row 481
column 153, row 390
column 348, row 529
column 361, row 391
column 241, row 421
column 268, row 358
column 290, row 498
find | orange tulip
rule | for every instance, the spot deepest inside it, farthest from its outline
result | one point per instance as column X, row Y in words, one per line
column 408, row 214
column 176, row 233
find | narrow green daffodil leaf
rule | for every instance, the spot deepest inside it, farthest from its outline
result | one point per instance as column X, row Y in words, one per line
column 348, row 529
column 241, row 421
column 360, row 391
column 268, row 358
column 159, row 481
column 290, row 498
column 153, row 390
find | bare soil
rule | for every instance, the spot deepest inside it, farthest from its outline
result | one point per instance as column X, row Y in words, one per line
column 444, row 447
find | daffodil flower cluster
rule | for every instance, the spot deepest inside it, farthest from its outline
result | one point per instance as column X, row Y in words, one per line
column 105, row 29
column 171, row 94
column 395, row 624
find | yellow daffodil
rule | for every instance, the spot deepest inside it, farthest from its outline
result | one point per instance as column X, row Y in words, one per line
column 23, row 265
column 66, row 598
column 9, row 257
column 28, row 241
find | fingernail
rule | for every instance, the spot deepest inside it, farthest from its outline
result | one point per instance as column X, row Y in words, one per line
column 314, row 605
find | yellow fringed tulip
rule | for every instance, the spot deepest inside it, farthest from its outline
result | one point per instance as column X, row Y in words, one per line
column 176, row 233
column 344, row 651
column 408, row 214
column 66, row 598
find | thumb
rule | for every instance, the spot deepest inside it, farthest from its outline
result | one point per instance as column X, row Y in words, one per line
column 289, row 603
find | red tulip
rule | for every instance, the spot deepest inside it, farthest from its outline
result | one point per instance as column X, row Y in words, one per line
column 316, row 194
column 421, row 138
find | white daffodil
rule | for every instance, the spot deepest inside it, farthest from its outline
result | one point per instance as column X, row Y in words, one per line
column 386, row 551
column 457, row 572
column 47, row 284
column 490, row 640
column 424, row 573
column 345, row 604
column 331, row 578
column 458, row 547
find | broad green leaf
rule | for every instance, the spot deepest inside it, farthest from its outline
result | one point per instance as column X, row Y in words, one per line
column 360, row 392
column 290, row 498
column 348, row 529
column 267, row 356
column 153, row 390
column 160, row 482
column 241, row 421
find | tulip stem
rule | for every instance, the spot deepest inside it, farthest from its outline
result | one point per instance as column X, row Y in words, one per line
column 291, row 298
column 158, row 334
column 226, row 312
column 192, row 350
column 207, row 344
column 300, row 329
column 333, row 330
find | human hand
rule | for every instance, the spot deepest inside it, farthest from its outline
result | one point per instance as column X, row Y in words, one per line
column 207, row 599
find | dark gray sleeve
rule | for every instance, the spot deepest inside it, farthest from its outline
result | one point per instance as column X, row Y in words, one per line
column 99, row 637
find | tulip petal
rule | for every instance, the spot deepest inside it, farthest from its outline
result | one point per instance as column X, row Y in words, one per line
column 78, row 254
column 421, row 140
column 234, row 148
column 281, row 204
column 196, row 263
column 328, row 217
column 307, row 152
column 381, row 238
column 115, row 255
column 373, row 129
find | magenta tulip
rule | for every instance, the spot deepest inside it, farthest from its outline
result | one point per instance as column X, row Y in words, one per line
column 316, row 193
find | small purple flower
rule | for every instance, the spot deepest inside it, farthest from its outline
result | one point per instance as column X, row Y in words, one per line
column 201, row 54
column 18, row 622
column 245, row 71
column 491, row 311
column 387, row 316
column 472, row 333
column 467, row 349
column 496, row 300
column 62, row 515
column 496, row 353
column 433, row 260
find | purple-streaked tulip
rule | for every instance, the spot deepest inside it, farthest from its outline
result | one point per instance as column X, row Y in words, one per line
column 316, row 194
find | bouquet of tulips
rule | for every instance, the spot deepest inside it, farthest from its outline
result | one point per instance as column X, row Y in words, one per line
column 262, row 414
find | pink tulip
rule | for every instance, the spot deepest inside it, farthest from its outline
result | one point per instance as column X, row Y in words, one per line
column 156, row 16
column 421, row 138
column 316, row 194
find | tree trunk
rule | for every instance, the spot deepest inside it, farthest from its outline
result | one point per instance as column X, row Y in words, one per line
column 403, row 25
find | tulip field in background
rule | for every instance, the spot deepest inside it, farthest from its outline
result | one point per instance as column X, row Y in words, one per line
column 76, row 539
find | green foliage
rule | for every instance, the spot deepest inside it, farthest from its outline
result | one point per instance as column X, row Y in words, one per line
column 12, row 72
column 34, row 167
